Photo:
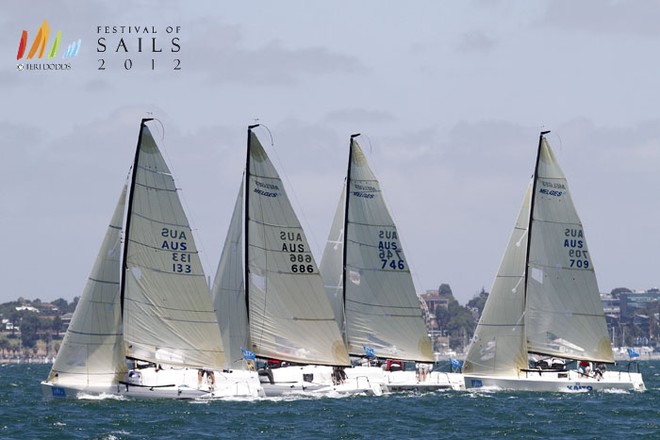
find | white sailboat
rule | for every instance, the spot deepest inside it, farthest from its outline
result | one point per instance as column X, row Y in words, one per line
column 545, row 301
column 145, row 325
column 269, row 294
column 368, row 281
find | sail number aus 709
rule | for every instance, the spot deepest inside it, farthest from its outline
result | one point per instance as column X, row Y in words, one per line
column 577, row 254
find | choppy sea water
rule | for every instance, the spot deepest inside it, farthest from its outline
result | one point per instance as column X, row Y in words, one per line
column 446, row 414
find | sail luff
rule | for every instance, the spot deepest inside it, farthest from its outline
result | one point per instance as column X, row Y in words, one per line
column 246, row 229
column 349, row 167
column 129, row 208
column 531, row 211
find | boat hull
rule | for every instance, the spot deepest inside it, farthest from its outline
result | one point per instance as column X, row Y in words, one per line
column 397, row 381
column 318, row 380
column 152, row 383
column 558, row 381
column 371, row 380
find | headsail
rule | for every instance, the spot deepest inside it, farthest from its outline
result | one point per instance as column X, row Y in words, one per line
column 92, row 349
column 332, row 263
column 168, row 314
column 498, row 346
column 381, row 307
column 564, row 313
column 229, row 292
column 290, row 317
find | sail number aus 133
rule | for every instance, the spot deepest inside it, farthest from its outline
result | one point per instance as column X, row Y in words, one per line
column 175, row 240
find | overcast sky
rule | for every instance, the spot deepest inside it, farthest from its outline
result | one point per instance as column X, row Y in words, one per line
column 450, row 94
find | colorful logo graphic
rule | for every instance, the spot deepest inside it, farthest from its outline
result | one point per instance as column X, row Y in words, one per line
column 41, row 41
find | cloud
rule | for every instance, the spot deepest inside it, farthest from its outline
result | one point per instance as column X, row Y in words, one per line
column 359, row 116
column 476, row 41
column 266, row 63
column 604, row 17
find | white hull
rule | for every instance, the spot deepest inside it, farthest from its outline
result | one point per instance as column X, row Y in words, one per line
column 412, row 381
column 150, row 383
column 558, row 381
column 318, row 380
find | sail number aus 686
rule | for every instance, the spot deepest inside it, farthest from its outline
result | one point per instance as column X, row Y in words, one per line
column 301, row 268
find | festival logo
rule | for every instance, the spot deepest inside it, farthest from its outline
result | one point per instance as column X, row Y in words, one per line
column 138, row 47
column 38, row 48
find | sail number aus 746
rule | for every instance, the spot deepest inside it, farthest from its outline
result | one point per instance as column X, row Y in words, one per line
column 389, row 251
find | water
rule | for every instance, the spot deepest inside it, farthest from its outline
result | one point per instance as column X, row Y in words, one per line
column 448, row 414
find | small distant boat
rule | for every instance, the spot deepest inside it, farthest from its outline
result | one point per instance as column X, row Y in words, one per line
column 145, row 325
column 368, row 282
column 269, row 294
column 543, row 326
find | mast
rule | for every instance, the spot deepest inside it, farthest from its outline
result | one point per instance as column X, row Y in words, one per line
column 345, row 235
column 246, row 243
column 129, row 211
column 531, row 214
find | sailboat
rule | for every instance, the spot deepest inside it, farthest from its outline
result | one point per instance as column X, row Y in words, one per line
column 543, row 326
column 269, row 293
column 145, row 325
column 368, row 281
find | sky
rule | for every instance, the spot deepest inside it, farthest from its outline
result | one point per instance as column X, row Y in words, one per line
column 449, row 95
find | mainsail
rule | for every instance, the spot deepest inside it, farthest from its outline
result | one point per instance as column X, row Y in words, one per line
column 229, row 292
column 92, row 350
column 366, row 272
column 545, row 298
column 168, row 314
column 289, row 316
column 564, row 314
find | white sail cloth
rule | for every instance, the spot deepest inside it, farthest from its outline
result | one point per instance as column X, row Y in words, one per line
column 377, row 302
column 168, row 314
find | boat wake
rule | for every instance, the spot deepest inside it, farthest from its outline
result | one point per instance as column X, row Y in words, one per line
column 102, row 396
